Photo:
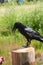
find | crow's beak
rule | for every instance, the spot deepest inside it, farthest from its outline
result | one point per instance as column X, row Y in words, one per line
column 13, row 30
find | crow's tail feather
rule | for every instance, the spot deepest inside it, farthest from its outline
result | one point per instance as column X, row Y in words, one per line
column 41, row 39
column 38, row 37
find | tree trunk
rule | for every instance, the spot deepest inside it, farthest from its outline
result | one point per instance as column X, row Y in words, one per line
column 23, row 56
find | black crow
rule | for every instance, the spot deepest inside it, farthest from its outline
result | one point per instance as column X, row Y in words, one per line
column 28, row 32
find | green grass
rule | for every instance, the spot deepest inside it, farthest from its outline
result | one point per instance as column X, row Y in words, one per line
column 30, row 15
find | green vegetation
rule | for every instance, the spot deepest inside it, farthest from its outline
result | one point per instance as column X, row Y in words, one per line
column 30, row 15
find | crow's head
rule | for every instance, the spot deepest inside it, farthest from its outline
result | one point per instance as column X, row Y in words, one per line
column 16, row 26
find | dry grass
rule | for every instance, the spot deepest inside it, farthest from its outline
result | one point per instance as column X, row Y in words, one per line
column 5, row 51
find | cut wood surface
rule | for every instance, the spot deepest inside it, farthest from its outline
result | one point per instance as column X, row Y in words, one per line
column 23, row 56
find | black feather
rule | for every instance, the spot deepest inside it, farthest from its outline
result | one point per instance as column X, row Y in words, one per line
column 28, row 32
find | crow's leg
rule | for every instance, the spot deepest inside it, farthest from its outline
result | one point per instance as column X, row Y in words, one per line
column 28, row 43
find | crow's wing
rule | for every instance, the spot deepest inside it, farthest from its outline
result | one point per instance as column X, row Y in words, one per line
column 30, row 30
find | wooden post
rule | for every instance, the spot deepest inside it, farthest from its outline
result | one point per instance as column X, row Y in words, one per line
column 23, row 56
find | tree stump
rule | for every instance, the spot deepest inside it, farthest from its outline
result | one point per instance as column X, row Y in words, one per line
column 23, row 56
